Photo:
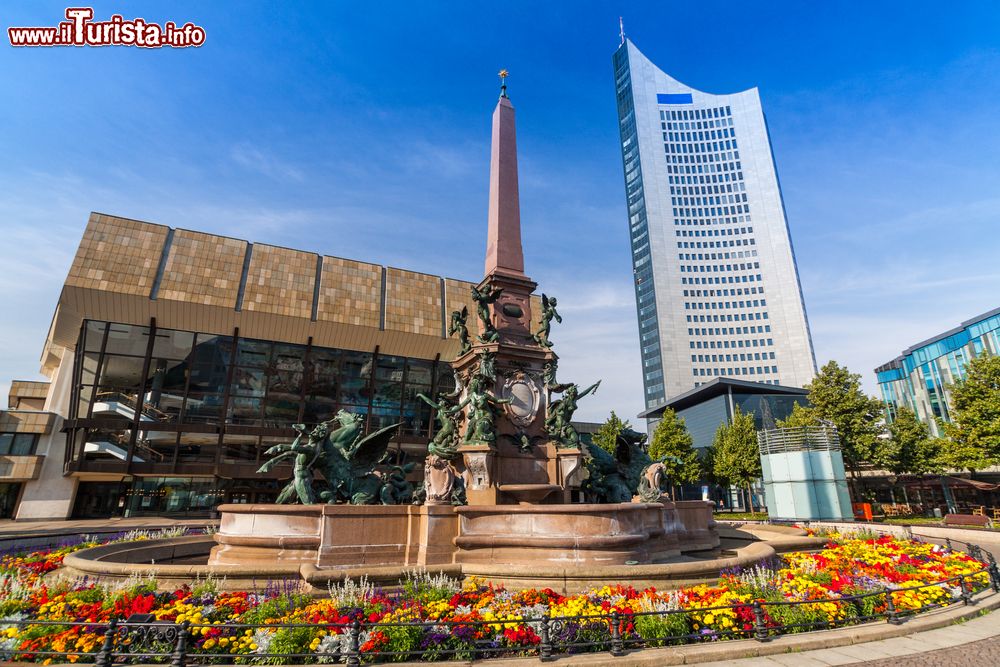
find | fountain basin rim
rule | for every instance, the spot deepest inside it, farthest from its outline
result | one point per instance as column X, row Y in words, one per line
column 568, row 542
column 575, row 508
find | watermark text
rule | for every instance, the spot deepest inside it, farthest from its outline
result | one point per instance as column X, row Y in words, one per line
column 81, row 30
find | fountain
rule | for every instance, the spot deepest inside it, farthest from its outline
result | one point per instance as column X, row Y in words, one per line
column 500, row 477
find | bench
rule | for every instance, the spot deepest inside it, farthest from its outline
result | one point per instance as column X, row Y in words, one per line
column 967, row 520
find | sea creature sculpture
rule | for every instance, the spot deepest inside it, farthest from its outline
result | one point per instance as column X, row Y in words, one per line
column 347, row 462
column 615, row 478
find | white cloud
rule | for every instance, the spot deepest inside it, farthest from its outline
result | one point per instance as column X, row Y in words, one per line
column 250, row 157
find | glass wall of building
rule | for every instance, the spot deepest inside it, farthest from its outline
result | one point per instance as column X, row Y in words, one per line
column 921, row 378
column 200, row 409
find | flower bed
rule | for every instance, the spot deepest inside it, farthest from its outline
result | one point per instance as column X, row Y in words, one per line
column 437, row 618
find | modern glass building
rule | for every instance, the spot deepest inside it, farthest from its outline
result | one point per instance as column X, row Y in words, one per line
column 716, row 284
column 920, row 378
column 176, row 359
column 715, row 402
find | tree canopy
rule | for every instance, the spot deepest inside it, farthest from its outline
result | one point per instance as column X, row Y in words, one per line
column 735, row 455
column 907, row 447
column 736, row 458
column 608, row 433
column 975, row 412
column 836, row 396
column 673, row 445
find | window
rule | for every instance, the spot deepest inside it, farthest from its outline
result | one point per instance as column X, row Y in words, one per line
column 17, row 444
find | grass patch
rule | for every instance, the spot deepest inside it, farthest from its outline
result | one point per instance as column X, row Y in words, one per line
column 741, row 516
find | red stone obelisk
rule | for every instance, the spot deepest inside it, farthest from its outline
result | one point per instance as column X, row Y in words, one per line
column 503, row 241
column 520, row 464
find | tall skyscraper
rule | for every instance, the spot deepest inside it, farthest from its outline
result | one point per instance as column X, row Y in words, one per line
column 716, row 284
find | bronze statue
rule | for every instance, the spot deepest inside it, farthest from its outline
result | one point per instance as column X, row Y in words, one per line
column 481, row 422
column 305, row 456
column 549, row 373
column 483, row 298
column 651, row 482
column 559, row 417
column 616, row 478
column 445, row 442
column 488, row 365
column 458, row 325
column 345, row 459
column 549, row 313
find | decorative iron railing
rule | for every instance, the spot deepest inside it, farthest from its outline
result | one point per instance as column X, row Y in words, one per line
column 141, row 639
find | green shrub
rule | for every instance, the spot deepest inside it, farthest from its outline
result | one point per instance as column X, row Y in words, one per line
column 402, row 638
column 660, row 630
column 289, row 641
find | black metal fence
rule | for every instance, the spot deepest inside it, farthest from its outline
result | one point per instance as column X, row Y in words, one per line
column 141, row 639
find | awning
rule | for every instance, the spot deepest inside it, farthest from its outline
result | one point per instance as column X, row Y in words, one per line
column 934, row 481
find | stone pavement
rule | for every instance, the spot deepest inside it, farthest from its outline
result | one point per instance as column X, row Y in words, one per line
column 984, row 653
column 974, row 643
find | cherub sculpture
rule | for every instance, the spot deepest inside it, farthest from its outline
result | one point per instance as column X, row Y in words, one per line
column 483, row 298
column 458, row 326
column 549, row 313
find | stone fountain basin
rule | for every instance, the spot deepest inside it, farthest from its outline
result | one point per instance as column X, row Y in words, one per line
column 658, row 544
column 176, row 561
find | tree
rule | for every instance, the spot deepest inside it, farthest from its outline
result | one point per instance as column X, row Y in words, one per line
column 736, row 456
column 801, row 416
column 673, row 445
column 975, row 407
column 960, row 453
column 836, row 396
column 908, row 449
column 607, row 435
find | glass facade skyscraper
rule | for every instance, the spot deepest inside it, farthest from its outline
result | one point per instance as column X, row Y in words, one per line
column 716, row 284
column 921, row 377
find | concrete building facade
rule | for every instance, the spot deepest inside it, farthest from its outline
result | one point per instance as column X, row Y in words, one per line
column 716, row 283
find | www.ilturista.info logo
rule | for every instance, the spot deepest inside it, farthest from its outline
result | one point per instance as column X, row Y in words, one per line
column 81, row 30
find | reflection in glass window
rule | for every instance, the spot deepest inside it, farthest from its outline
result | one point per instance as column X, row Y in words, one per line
column 17, row 444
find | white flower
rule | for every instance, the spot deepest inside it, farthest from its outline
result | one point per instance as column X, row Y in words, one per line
column 262, row 638
column 331, row 647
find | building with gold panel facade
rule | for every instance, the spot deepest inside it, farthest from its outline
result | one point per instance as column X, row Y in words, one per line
column 175, row 358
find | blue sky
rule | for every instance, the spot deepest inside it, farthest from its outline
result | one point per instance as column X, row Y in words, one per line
column 362, row 130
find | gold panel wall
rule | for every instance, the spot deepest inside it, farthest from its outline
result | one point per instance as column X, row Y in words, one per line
column 280, row 281
column 118, row 255
column 203, row 269
column 350, row 292
column 458, row 293
column 412, row 302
